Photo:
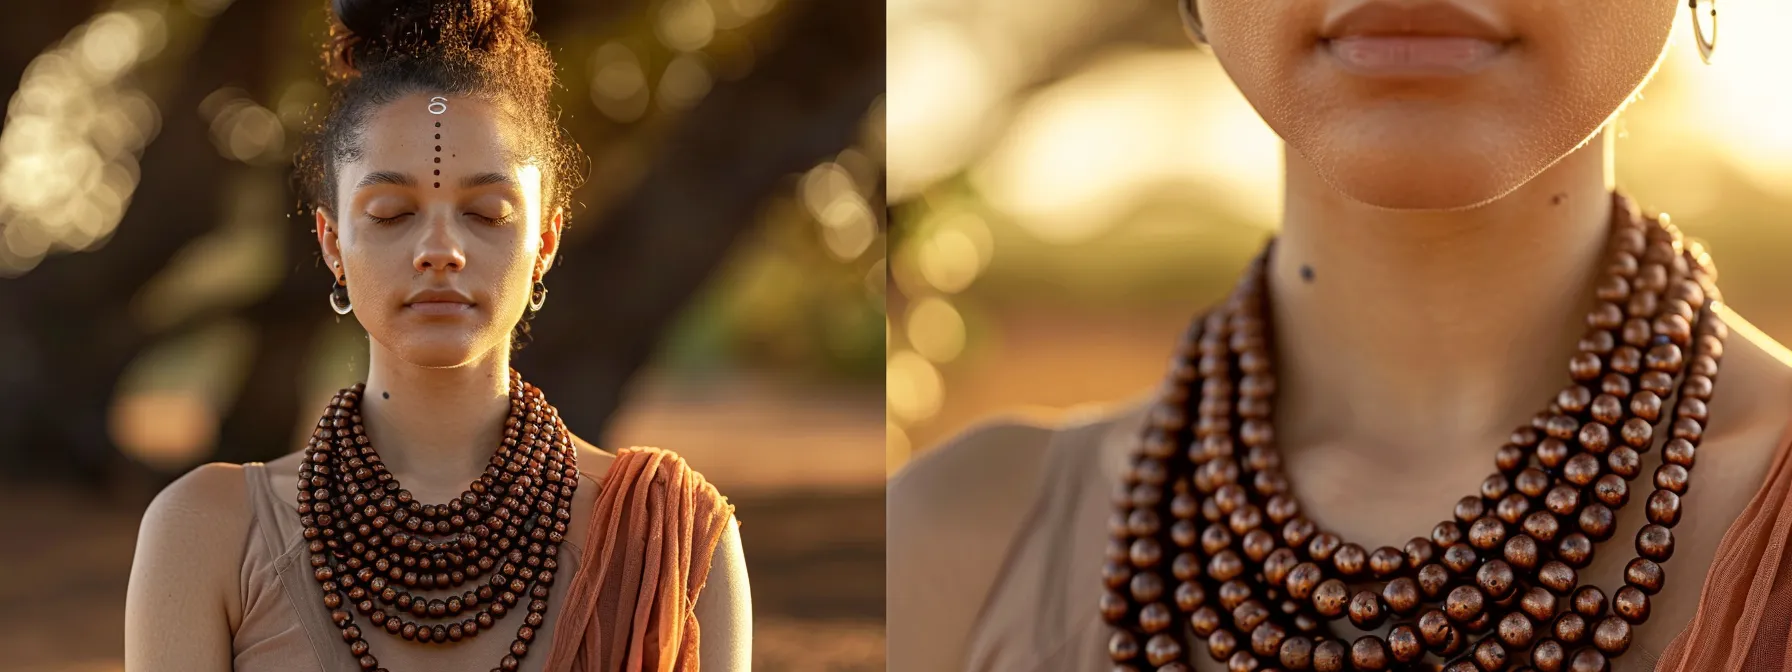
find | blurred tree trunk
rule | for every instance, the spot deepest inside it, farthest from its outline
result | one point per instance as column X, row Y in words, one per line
column 77, row 333
column 804, row 102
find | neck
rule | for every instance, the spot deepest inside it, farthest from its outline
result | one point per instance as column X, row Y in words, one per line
column 436, row 428
column 1420, row 331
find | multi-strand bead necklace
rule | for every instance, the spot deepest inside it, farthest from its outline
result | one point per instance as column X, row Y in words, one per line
column 1209, row 541
column 372, row 545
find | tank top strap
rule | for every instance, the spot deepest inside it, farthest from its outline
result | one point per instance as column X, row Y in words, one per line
column 264, row 507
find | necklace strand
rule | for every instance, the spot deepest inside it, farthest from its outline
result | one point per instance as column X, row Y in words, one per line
column 371, row 542
column 1495, row 588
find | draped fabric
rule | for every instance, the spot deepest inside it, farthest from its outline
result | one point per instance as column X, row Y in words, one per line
column 629, row 604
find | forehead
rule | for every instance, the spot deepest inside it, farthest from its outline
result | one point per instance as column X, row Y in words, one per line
column 471, row 133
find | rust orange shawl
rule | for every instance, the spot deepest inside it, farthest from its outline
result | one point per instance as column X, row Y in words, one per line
column 629, row 603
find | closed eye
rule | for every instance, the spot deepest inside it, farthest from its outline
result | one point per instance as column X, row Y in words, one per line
column 496, row 221
column 387, row 220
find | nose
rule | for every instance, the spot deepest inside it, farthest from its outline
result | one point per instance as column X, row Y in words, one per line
column 440, row 248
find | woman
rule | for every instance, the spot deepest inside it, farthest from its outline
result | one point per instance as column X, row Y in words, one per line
column 1450, row 237
column 440, row 181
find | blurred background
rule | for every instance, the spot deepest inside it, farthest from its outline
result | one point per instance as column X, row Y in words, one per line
column 719, row 293
column 1071, row 181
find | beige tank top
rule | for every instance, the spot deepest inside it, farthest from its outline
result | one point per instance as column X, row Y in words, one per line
column 286, row 628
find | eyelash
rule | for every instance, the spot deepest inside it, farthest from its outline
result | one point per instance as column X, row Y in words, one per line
column 499, row 221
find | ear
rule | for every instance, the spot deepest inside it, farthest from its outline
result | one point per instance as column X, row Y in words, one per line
column 326, row 242
column 550, row 242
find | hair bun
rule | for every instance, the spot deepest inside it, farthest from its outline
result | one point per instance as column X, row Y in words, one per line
column 366, row 32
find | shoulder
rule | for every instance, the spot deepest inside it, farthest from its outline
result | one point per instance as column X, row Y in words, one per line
column 953, row 514
column 192, row 541
column 208, row 504
column 985, row 478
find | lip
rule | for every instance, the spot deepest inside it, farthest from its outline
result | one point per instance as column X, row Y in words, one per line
column 439, row 302
column 1382, row 38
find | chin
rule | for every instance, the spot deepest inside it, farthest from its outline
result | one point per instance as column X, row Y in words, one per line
column 441, row 351
column 1408, row 173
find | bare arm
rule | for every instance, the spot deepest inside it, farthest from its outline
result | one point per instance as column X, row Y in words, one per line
column 182, row 603
column 725, row 608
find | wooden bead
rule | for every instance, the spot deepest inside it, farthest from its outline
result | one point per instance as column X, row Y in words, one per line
column 1249, row 615
column 1446, row 534
column 1330, row 597
column 1542, row 526
column 1418, row 551
column 1655, row 542
column 1122, row 646
column 1303, row 580
column 1162, row 649
column 1222, row 644
column 1436, row 630
column 1521, row 552
column 1663, row 508
column 1154, row 618
column 1267, row 638
column 1580, row 470
column 1644, row 574
column 1538, row 603
column 1401, row 595
column 1296, row 653
column 1242, row 661
column 1470, row 508
column 1369, row 653
column 1460, row 559
column 1486, row 534
column 1512, row 508
column 1671, row 477
column 1404, row 644
column 1570, row 627
column 1557, row 577
column 1612, row 635
column 1113, row 607
column 1432, row 580
column 1323, row 546
column 1330, row 656
column 1204, row 620
column 1233, row 593
column 1588, row 660
column 1597, row 521
column 1563, row 499
column 1515, row 630
column 1631, row 604
column 1365, row 610
column 1225, row 566
column 1278, row 564
column 1385, row 562
column 1190, row 595
column 1576, row 549
column 1464, row 604
column 1496, row 579
column 1588, row 601
column 1549, row 656
column 1350, row 560
column 1490, row 655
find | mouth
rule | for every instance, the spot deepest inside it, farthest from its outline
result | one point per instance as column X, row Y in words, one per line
column 1402, row 40
column 447, row 308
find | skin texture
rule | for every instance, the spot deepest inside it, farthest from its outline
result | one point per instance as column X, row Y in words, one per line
column 1434, row 263
column 436, row 388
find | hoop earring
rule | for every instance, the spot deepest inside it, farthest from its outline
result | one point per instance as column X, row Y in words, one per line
column 538, row 295
column 1706, row 46
column 339, row 298
column 1191, row 20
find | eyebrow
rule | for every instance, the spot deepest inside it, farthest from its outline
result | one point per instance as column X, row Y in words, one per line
column 396, row 178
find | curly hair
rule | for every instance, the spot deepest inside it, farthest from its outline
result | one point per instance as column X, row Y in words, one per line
column 382, row 50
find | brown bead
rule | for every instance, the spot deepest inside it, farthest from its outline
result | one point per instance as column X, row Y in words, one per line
column 1571, row 628
column 1404, row 644
column 1624, row 461
column 1221, row 644
column 1278, row 564
column 1521, row 552
column 1114, row 574
column 1304, row 578
column 1541, row 526
column 1385, row 562
column 1515, row 630
column 1162, row 649
column 1635, row 331
column 1563, row 499
column 1496, row 579
column 1330, row 656
column 1365, row 610
column 1182, row 533
column 1369, row 653
column 1696, row 386
column 1664, row 508
column 1588, row 660
column 1557, row 577
column 1671, row 477
column 1588, row 601
column 1561, row 427
column 1644, row 574
column 1637, row 433
column 1146, row 553
column 1245, row 519
column 1154, row 618
column 1538, row 603
column 1597, row 521
column 1323, row 546
column 1298, row 532
column 1186, row 566
column 1655, row 542
column 1597, row 341
column 1594, row 438
column 1350, row 560
column 1281, row 509
column 1575, row 549
column 1585, row 366
column 1512, row 508
column 1486, row 534
column 1240, row 661
column 1113, row 607
column 1401, row 595
column 1249, row 615
column 1612, row 490
column 1330, row 597
column 1464, row 604
column 1612, row 636
column 1205, row 621
column 1418, row 551
column 1679, row 451
column 1509, row 458
column 1435, row 629
column 1266, row 639
column 1432, row 580
column 1489, row 655
column 1549, row 656
column 1258, row 544
column 1190, row 596
column 1626, row 359
column 1122, row 646
column 1580, row 470
column 1296, row 653
column 1631, row 604
column 1446, row 534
